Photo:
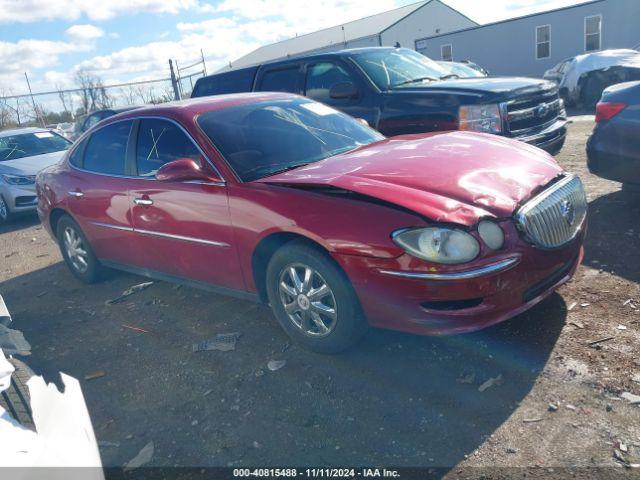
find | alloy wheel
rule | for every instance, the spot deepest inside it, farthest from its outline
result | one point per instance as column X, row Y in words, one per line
column 76, row 251
column 307, row 300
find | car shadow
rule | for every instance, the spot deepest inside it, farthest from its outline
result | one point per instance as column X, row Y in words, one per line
column 395, row 399
column 19, row 222
column 613, row 236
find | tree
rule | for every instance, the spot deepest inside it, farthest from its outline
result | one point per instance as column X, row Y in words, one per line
column 93, row 94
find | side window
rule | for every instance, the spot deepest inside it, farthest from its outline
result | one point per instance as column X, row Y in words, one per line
column 160, row 142
column 92, row 120
column 283, row 80
column 107, row 149
column 75, row 158
column 321, row 77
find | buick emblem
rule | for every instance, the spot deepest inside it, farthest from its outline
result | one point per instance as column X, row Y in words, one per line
column 568, row 212
column 542, row 110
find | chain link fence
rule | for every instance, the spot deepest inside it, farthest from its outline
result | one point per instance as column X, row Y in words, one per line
column 62, row 106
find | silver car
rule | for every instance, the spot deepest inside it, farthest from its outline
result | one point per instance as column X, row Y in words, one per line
column 23, row 153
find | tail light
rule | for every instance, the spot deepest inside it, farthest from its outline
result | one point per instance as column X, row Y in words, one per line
column 607, row 110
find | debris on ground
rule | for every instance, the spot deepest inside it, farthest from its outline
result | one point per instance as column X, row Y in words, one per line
column 596, row 343
column 531, row 420
column 621, row 327
column 274, row 365
column 631, row 398
column 552, row 407
column 572, row 306
column 143, row 457
column 576, row 323
column 105, row 444
column 222, row 341
column 511, row 450
column 128, row 292
column 636, row 378
column 584, row 305
column 135, row 329
column 490, row 383
column 94, row 375
column 470, row 378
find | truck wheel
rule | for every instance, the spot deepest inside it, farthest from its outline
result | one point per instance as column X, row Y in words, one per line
column 16, row 399
column 77, row 252
column 313, row 299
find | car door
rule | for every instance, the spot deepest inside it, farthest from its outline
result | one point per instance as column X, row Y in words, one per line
column 322, row 75
column 280, row 78
column 181, row 229
column 98, row 191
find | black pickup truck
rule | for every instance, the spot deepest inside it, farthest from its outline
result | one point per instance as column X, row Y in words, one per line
column 399, row 91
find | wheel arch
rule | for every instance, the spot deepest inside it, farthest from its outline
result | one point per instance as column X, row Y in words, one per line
column 265, row 249
column 54, row 217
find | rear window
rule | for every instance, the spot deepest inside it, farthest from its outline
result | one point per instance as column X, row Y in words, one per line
column 231, row 82
column 107, row 149
column 282, row 80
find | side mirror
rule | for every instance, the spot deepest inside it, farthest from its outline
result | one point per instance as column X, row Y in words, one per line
column 183, row 170
column 343, row 90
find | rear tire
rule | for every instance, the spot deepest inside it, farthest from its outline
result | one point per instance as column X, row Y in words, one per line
column 313, row 300
column 16, row 399
column 77, row 252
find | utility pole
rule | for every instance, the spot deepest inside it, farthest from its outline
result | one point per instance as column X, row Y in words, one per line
column 35, row 109
column 174, row 82
column 204, row 65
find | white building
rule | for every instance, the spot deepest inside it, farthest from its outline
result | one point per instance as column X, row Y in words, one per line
column 399, row 26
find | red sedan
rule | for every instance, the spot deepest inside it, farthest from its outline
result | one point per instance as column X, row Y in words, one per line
column 279, row 199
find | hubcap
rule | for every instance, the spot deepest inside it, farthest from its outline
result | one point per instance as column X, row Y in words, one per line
column 308, row 300
column 75, row 249
column 4, row 212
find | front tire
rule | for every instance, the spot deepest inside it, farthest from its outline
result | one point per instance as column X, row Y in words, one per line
column 77, row 252
column 4, row 211
column 313, row 300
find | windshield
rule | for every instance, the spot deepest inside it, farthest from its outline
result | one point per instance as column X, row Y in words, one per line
column 402, row 67
column 261, row 139
column 461, row 70
column 30, row 144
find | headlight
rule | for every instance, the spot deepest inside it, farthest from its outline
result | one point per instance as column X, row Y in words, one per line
column 19, row 179
column 480, row 118
column 439, row 245
column 491, row 234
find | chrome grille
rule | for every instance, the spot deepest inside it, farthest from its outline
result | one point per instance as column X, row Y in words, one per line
column 555, row 216
column 533, row 112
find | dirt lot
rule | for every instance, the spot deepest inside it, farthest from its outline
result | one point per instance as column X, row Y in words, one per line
column 396, row 400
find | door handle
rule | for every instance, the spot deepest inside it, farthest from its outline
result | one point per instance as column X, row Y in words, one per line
column 76, row 194
column 143, row 201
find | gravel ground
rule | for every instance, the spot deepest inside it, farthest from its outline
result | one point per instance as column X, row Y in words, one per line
column 396, row 400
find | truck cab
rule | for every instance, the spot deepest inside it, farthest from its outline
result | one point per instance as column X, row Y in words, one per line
column 399, row 91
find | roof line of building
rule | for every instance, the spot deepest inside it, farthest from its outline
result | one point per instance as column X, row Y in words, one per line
column 512, row 19
column 425, row 2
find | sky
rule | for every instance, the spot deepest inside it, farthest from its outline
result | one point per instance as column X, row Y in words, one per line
column 126, row 40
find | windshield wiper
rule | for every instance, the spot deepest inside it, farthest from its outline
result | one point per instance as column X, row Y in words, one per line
column 450, row 75
column 414, row 80
column 285, row 169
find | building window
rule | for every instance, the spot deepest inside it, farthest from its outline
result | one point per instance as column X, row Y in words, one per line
column 446, row 52
column 592, row 33
column 543, row 41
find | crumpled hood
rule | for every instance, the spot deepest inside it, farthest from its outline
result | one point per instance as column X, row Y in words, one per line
column 30, row 165
column 455, row 177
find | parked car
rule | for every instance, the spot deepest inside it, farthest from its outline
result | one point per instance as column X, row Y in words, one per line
column 280, row 199
column 23, row 153
column 582, row 79
column 399, row 91
column 461, row 70
column 85, row 122
column 613, row 150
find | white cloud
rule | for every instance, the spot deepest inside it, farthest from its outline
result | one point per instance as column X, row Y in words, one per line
column 25, row 11
column 84, row 32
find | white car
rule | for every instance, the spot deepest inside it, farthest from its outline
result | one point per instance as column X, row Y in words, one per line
column 23, row 153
